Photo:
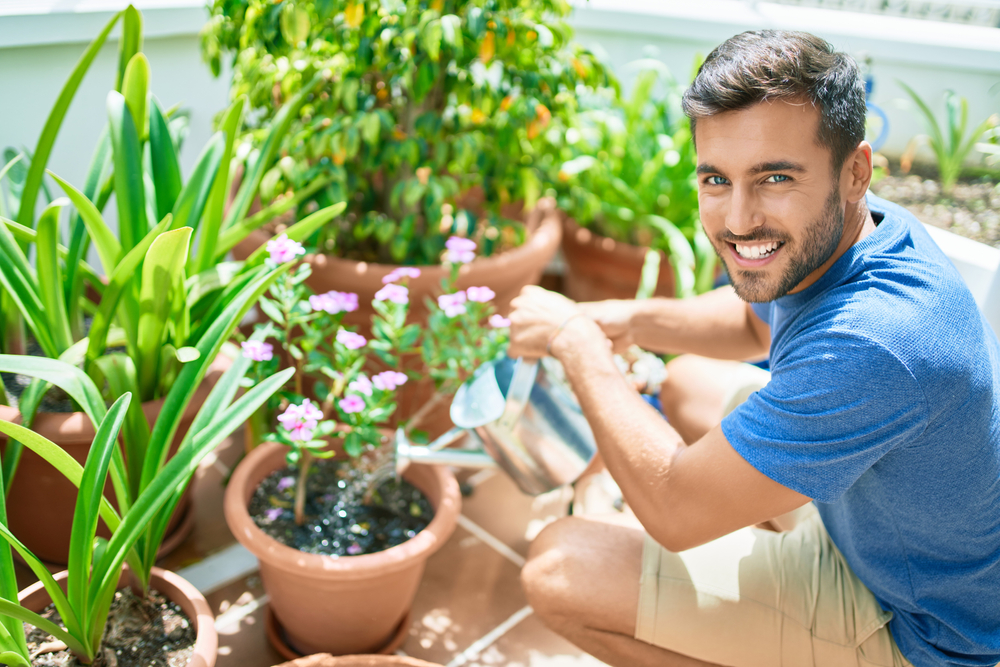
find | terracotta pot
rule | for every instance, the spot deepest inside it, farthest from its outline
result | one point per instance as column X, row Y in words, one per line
column 599, row 268
column 41, row 501
column 327, row 660
column 346, row 605
column 172, row 587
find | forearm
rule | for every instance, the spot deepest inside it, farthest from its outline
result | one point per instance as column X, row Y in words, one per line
column 717, row 324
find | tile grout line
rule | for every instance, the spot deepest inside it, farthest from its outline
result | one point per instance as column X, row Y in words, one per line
column 489, row 638
column 496, row 544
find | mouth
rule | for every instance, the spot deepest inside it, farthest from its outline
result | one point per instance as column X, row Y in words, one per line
column 755, row 254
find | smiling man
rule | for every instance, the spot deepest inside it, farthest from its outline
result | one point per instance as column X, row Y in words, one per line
column 879, row 423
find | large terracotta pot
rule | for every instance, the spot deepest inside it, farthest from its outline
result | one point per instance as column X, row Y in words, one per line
column 346, row 605
column 327, row 660
column 172, row 587
column 599, row 268
column 41, row 501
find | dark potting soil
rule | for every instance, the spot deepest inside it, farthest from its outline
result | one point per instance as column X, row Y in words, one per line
column 338, row 522
column 150, row 632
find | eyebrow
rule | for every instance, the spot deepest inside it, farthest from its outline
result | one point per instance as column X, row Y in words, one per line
column 780, row 165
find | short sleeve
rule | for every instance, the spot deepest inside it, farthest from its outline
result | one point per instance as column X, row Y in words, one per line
column 835, row 405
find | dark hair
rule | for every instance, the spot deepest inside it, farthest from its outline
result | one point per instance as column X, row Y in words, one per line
column 760, row 65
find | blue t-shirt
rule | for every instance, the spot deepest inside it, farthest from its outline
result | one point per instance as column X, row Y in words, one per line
column 884, row 407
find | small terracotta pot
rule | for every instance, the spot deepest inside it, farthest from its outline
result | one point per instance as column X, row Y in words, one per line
column 345, row 605
column 598, row 267
column 41, row 501
column 327, row 660
column 172, row 587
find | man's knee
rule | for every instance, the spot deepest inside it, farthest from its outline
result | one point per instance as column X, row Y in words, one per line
column 551, row 567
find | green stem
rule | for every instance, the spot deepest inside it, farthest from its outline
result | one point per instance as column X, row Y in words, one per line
column 305, row 460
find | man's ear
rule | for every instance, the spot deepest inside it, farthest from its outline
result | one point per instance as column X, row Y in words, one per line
column 857, row 172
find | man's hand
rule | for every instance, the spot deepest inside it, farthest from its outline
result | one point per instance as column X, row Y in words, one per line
column 536, row 315
column 614, row 316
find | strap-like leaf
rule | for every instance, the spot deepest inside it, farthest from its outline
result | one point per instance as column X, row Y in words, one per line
column 26, row 215
column 18, row 612
column 192, row 199
column 21, row 284
column 705, row 261
column 8, row 585
column 130, row 43
column 135, row 89
column 129, row 187
column 108, row 247
column 163, row 160
column 303, row 229
column 50, row 274
column 681, row 254
column 119, row 371
column 65, row 376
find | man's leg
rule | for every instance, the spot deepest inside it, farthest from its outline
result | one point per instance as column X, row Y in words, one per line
column 582, row 577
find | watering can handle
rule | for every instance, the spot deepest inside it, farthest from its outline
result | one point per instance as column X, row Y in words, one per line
column 525, row 372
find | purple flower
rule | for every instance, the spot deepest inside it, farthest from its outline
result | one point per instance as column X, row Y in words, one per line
column 480, row 294
column 334, row 302
column 300, row 420
column 460, row 250
column 354, row 550
column 389, row 380
column 283, row 249
column 352, row 404
column 286, row 483
column 361, row 385
column 257, row 350
column 400, row 273
column 452, row 304
column 273, row 514
column 350, row 340
column 393, row 292
column 498, row 321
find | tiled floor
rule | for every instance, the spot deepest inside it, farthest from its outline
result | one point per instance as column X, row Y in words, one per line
column 470, row 609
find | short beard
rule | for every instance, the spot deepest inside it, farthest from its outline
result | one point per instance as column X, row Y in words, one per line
column 817, row 246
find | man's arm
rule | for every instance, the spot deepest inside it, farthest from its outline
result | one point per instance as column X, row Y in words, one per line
column 717, row 324
column 683, row 495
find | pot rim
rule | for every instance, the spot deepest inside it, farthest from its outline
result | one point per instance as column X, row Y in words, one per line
column 172, row 586
column 270, row 456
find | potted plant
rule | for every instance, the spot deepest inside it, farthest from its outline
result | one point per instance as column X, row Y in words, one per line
column 341, row 555
column 627, row 183
column 84, row 595
column 441, row 118
column 166, row 285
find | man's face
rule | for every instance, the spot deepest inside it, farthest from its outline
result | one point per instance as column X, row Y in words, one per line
column 768, row 197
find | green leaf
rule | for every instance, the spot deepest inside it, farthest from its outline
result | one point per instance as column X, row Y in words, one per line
column 135, row 89
column 33, row 183
column 163, row 160
column 162, row 272
column 12, row 641
column 191, row 202
column 650, row 275
column 21, row 285
column 23, row 615
column 681, row 254
column 50, row 282
column 129, row 44
column 119, row 371
column 108, row 247
column 129, row 189
column 303, row 229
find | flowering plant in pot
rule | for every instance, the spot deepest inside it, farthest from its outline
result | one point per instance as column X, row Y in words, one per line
column 315, row 522
column 426, row 100
column 167, row 283
column 627, row 174
column 95, row 564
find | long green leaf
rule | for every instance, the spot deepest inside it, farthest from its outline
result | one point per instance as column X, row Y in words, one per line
column 279, row 127
column 192, row 199
column 209, row 230
column 108, row 247
column 705, row 261
column 50, row 274
column 135, row 90
column 929, row 119
column 28, row 406
column 302, row 229
column 26, row 215
column 164, row 163
column 650, row 275
column 27, row 235
column 65, row 376
column 130, row 43
column 119, row 371
column 8, row 583
column 129, row 188
column 21, row 285
column 88, row 506
column 162, row 272
column 681, row 255
column 22, row 615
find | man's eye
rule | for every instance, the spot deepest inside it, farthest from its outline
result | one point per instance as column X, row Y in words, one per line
column 776, row 178
column 715, row 180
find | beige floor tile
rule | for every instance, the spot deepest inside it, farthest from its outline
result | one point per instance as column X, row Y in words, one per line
column 531, row 644
column 498, row 506
column 467, row 590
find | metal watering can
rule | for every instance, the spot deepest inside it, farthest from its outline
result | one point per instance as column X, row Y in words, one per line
column 524, row 419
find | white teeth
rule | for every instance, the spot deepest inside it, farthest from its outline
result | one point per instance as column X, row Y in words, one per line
column 758, row 251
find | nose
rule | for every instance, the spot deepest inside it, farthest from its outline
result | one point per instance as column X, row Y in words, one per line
column 744, row 214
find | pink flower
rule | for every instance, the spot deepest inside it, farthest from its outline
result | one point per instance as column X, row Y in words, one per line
column 286, row 483
column 460, row 250
column 389, row 380
column 452, row 304
column 361, row 385
column 480, row 294
column 334, row 302
column 257, row 350
column 273, row 513
column 283, row 249
column 352, row 404
column 350, row 340
column 498, row 321
column 354, row 550
column 393, row 292
column 300, row 420
column 400, row 273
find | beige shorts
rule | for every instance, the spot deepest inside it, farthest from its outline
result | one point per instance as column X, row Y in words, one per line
column 760, row 598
